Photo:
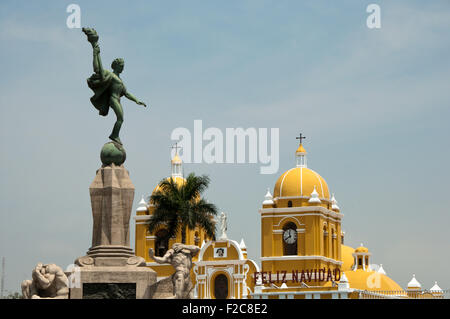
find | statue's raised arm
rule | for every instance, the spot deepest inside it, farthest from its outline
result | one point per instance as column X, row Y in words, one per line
column 93, row 40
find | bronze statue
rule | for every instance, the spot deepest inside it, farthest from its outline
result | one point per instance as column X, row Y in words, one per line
column 108, row 86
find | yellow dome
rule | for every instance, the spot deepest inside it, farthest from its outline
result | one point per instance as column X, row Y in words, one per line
column 179, row 180
column 347, row 257
column 300, row 181
column 361, row 249
column 372, row 281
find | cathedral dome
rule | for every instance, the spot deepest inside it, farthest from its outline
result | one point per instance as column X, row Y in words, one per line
column 178, row 180
column 347, row 257
column 300, row 181
column 372, row 281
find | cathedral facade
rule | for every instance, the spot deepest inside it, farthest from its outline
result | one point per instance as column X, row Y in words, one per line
column 303, row 255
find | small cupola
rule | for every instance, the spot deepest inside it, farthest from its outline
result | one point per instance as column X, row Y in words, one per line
column 177, row 163
column 361, row 258
column 414, row 284
column 300, row 154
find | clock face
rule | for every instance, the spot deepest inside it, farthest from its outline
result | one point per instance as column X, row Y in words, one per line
column 290, row 236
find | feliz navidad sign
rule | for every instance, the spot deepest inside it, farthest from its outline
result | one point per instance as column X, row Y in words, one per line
column 304, row 275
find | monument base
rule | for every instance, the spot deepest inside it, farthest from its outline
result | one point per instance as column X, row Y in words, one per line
column 103, row 282
column 112, row 272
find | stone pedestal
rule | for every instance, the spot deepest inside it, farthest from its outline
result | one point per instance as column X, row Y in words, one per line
column 110, row 269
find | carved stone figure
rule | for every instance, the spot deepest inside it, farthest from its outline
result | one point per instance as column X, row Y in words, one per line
column 180, row 257
column 48, row 282
column 223, row 226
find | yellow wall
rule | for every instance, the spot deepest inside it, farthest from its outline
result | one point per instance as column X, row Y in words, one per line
column 310, row 221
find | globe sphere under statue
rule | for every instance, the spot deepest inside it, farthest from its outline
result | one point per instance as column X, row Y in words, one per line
column 113, row 153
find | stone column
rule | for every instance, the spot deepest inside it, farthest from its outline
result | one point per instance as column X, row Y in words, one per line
column 112, row 194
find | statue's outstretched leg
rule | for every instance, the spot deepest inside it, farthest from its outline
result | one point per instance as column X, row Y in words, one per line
column 179, row 285
column 115, row 105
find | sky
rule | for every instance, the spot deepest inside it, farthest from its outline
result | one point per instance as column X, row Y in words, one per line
column 374, row 105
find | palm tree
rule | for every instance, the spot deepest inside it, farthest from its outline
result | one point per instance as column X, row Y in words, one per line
column 180, row 207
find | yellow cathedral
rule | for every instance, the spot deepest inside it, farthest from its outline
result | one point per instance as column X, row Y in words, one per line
column 303, row 255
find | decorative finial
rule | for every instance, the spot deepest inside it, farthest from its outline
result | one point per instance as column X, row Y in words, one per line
column 268, row 198
column 314, row 197
column 142, row 205
column 334, row 205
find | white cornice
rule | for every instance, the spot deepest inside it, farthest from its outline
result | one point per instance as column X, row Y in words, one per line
column 220, row 262
column 280, row 231
column 327, row 200
column 305, row 211
column 294, row 257
column 142, row 217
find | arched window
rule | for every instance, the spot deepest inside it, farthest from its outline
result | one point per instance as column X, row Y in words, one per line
column 290, row 239
column 290, row 203
column 161, row 242
column 221, row 287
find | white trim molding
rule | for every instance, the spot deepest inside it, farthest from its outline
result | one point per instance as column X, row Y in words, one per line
column 301, row 211
column 142, row 218
column 322, row 199
column 295, row 257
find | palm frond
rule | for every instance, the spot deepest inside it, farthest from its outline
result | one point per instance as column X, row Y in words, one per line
column 180, row 208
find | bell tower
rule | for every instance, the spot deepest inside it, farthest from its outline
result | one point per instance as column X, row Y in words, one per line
column 300, row 225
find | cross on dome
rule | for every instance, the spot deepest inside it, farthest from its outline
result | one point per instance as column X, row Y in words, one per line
column 176, row 147
column 301, row 137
